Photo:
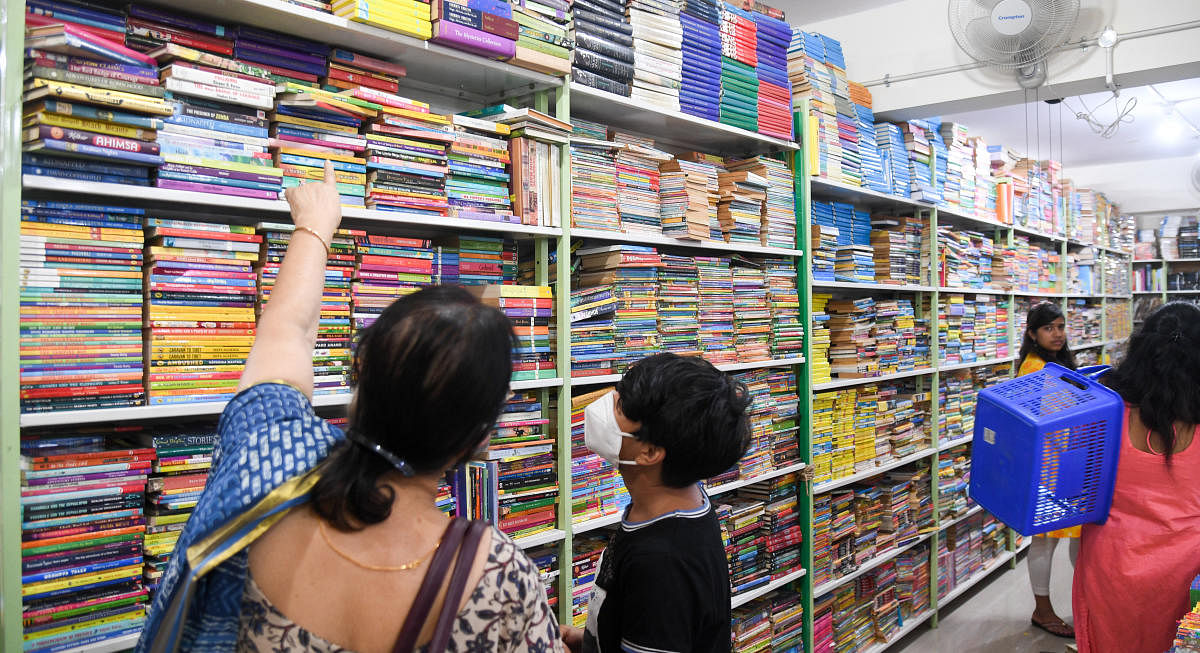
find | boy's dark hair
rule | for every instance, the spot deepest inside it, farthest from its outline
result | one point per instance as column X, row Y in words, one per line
column 1039, row 316
column 694, row 411
column 1161, row 371
column 432, row 376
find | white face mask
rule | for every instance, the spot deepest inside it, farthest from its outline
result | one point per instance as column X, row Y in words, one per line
column 601, row 433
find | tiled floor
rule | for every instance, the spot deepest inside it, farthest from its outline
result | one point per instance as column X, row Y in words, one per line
column 994, row 616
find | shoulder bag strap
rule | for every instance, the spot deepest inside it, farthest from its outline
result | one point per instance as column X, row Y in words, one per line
column 458, row 584
column 435, row 575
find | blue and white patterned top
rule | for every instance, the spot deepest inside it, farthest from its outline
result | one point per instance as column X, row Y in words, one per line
column 268, row 438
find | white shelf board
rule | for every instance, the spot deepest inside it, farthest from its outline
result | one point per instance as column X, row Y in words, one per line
column 1183, row 260
column 1090, row 345
column 743, row 482
column 208, row 408
column 846, row 383
column 878, row 559
column 1113, row 296
column 824, row 189
column 978, row 363
column 449, row 72
column 1050, row 295
column 669, row 128
column 973, row 291
column 821, row 488
column 961, row 588
column 871, row 287
column 602, row 379
column 1149, row 292
column 746, row 597
column 1184, row 292
column 1034, row 233
column 539, row 539
column 983, row 222
column 658, row 239
column 961, row 518
column 123, row 643
column 912, row 624
column 224, row 205
column 1147, row 260
column 966, row 439
column 599, row 522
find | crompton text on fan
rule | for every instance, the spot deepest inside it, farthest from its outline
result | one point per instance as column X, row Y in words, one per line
column 1013, row 34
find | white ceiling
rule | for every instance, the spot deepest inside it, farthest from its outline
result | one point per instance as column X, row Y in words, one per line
column 1075, row 144
column 802, row 13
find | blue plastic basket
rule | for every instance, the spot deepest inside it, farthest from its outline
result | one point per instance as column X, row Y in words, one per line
column 1044, row 454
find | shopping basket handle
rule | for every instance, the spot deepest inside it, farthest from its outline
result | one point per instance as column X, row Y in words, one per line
column 1094, row 372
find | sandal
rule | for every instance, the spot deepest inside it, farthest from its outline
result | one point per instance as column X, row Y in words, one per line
column 1060, row 629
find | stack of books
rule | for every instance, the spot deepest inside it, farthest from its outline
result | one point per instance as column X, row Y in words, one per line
column 596, row 487
column 388, row 268
column 603, row 57
column 477, row 183
column 959, row 186
column 92, row 106
column 593, row 177
column 543, row 40
column 536, row 162
column 177, row 479
column 779, row 210
column 585, row 564
column 326, row 111
column 716, row 309
column 80, row 273
column 894, row 155
column 679, row 305
column 785, row 414
column 751, row 312
column 657, row 56
column 744, row 545
column 780, row 524
column 637, row 166
column 593, row 343
column 824, row 246
column 912, row 581
column 751, row 627
column 742, row 206
column 700, row 92
column 545, row 558
column 787, row 621
column 874, row 175
column 757, row 459
column 918, row 142
column 787, row 329
column 739, row 56
column 821, row 371
column 823, row 624
column 522, row 452
column 331, row 356
column 406, row 157
column 202, row 292
column 530, row 309
column 485, row 28
column 773, row 35
column 82, row 526
column 822, row 554
column 352, row 71
column 409, row 17
column 484, row 259
column 852, row 353
column 703, row 174
column 632, row 270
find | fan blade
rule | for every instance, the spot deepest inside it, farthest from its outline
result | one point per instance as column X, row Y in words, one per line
column 984, row 43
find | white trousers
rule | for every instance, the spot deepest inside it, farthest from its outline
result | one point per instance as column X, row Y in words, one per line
column 1041, row 553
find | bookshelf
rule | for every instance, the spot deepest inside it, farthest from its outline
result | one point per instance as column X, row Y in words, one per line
column 810, row 188
column 475, row 81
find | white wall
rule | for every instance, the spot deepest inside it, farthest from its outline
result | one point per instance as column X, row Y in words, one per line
column 1155, row 185
column 914, row 36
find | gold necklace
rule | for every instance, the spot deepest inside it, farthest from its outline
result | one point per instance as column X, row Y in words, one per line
column 348, row 558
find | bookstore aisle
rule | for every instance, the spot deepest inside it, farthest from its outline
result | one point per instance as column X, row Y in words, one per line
column 620, row 177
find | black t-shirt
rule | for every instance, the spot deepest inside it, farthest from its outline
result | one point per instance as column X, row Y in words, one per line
column 663, row 585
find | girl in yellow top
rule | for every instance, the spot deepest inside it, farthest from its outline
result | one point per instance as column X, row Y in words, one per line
column 1045, row 341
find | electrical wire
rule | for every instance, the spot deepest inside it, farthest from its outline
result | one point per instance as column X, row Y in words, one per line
column 1124, row 115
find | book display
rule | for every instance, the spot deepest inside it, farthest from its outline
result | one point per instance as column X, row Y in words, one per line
column 618, row 178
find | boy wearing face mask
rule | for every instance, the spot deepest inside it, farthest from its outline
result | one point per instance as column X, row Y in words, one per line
column 663, row 580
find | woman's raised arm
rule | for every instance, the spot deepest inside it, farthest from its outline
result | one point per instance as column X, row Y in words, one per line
column 287, row 329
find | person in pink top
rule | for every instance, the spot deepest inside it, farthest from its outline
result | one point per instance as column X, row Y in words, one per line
column 1132, row 576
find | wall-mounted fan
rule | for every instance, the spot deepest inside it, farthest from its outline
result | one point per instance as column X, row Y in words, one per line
column 1015, row 35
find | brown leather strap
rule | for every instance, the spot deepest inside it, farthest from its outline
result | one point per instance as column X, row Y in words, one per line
column 427, row 594
column 458, row 584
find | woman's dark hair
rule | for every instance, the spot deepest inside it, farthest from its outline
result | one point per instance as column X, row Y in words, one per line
column 432, row 376
column 1161, row 371
column 1040, row 316
column 694, row 411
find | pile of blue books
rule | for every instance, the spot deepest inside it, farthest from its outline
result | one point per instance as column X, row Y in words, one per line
column 701, row 90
